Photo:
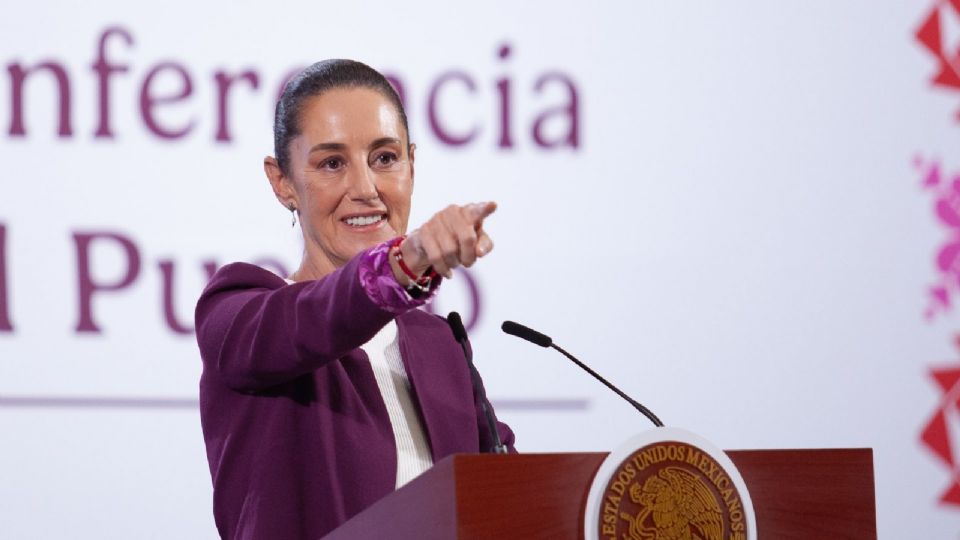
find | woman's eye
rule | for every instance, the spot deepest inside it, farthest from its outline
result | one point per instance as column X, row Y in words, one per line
column 331, row 164
column 386, row 158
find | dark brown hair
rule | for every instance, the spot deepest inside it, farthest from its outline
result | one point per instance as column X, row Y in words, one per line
column 315, row 80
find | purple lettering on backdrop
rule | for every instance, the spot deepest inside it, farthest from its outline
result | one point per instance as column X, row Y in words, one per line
column 272, row 265
column 571, row 110
column 542, row 128
column 210, row 267
column 87, row 287
column 503, row 87
column 148, row 101
column 18, row 75
column 286, row 79
column 472, row 318
column 103, row 69
column 445, row 136
column 169, row 313
column 397, row 85
column 224, row 81
column 5, row 325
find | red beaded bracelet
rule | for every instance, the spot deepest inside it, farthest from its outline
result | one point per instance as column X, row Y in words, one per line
column 422, row 282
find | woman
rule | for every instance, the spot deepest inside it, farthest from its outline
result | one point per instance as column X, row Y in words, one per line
column 322, row 393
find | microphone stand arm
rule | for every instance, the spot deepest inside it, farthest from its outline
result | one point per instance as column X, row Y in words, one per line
column 646, row 412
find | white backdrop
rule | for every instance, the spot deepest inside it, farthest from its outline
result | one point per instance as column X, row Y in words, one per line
column 739, row 238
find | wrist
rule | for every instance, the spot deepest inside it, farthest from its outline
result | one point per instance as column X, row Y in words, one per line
column 412, row 258
column 420, row 279
column 398, row 273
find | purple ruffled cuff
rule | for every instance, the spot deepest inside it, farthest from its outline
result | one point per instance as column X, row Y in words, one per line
column 381, row 286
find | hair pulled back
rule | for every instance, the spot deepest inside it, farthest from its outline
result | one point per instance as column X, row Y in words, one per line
column 314, row 81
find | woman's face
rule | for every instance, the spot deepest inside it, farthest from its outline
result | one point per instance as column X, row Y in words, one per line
column 352, row 174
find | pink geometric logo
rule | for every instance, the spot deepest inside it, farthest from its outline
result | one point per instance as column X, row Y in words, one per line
column 946, row 207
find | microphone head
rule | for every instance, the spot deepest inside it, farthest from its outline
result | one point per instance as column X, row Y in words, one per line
column 521, row 331
column 456, row 325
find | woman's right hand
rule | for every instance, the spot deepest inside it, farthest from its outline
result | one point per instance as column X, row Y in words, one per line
column 453, row 237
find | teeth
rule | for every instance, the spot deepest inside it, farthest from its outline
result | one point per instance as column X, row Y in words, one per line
column 361, row 221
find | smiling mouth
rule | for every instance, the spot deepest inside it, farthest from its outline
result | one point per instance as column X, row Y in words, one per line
column 364, row 221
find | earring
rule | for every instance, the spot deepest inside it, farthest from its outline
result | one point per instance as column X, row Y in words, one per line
column 293, row 214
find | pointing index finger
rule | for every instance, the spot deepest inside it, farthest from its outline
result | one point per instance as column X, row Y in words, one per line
column 479, row 211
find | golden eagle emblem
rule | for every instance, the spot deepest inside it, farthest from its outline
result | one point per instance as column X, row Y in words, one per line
column 675, row 505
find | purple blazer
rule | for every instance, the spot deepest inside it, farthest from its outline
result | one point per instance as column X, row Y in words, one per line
column 297, row 434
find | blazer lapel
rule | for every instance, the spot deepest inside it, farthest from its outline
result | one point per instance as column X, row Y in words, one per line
column 440, row 384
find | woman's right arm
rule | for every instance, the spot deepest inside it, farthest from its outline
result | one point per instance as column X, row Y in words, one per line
column 256, row 332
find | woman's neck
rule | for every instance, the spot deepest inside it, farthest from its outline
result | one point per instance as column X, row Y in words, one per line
column 313, row 268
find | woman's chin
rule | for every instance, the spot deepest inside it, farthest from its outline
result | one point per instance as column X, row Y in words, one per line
column 368, row 238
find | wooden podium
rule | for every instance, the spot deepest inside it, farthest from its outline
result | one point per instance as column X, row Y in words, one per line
column 797, row 494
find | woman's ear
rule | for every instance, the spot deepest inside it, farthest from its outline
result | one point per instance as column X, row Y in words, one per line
column 281, row 185
column 411, row 151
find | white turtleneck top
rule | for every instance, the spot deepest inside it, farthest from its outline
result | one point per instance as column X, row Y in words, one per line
column 413, row 450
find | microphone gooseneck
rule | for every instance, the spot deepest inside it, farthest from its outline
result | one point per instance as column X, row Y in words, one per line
column 460, row 334
column 521, row 331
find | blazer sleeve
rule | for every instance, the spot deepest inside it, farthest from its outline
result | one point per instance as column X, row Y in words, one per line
column 256, row 331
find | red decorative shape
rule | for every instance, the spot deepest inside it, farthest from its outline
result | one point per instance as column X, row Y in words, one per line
column 947, row 77
column 951, row 495
column 930, row 36
column 929, row 32
column 936, row 438
column 946, row 378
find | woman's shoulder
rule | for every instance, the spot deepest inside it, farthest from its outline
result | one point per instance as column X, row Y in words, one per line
column 241, row 275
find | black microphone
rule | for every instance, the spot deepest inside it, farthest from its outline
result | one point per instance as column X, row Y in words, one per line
column 460, row 334
column 521, row 331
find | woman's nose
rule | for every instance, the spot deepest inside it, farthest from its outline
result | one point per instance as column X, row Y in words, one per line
column 362, row 184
